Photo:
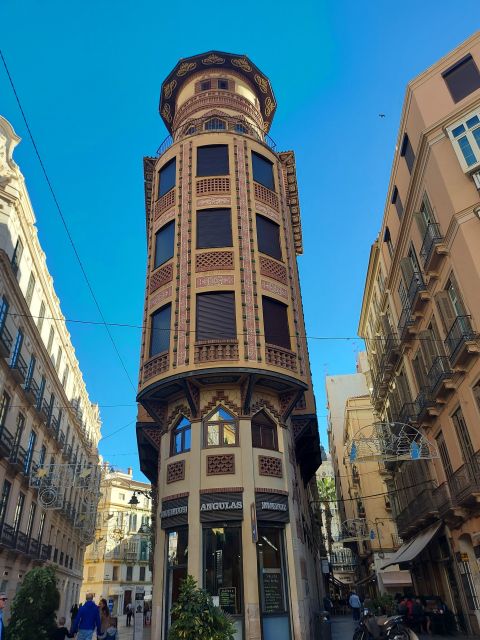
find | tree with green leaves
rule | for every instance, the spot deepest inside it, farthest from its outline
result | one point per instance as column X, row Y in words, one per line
column 33, row 608
column 327, row 495
column 195, row 616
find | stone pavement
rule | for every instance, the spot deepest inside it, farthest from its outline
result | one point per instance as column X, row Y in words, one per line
column 126, row 633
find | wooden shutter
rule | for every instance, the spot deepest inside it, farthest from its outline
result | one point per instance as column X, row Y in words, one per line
column 164, row 241
column 212, row 160
column 166, row 180
column 445, row 307
column 263, row 171
column 160, row 331
column 427, row 347
column 275, row 323
column 214, row 228
column 268, row 237
column 216, row 316
column 407, row 271
column 421, row 223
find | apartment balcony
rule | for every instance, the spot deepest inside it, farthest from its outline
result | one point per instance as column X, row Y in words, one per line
column 391, row 352
column 433, row 249
column 443, row 499
column 417, row 292
column 31, row 390
column 19, row 369
column 408, row 414
column 6, row 441
column 44, row 411
column 440, row 378
column 419, row 511
column 19, row 541
column 465, row 483
column 18, row 457
column 406, row 324
column 6, row 342
column 426, row 406
column 462, row 342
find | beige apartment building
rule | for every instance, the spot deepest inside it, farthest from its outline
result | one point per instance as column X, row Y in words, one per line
column 362, row 491
column 49, row 429
column 227, row 427
column 420, row 319
column 117, row 563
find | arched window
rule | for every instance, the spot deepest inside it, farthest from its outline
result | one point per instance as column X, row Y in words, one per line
column 264, row 432
column 240, row 128
column 191, row 130
column 220, row 429
column 181, row 437
column 215, row 124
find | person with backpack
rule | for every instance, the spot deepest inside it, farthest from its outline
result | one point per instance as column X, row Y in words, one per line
column 87, row 620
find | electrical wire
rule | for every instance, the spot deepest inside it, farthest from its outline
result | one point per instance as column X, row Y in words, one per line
column 375, row 495
column 64, row 222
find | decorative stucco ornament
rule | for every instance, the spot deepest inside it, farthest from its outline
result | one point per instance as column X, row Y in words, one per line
column 9, row 170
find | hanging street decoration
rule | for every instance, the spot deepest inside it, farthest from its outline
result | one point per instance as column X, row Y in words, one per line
column 389, row 442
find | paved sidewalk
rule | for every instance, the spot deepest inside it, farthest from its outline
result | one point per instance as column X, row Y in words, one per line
column 126, row 633
column 342, row 627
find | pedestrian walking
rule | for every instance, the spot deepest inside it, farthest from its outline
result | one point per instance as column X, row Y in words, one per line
column 355, row 604
column 87, row 620
column 61, row 632
column 73, row 613
column 3, row 599
column 104, row 615
column 129, row 610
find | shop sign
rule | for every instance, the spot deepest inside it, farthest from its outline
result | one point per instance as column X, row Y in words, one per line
column 174, row 512
column 272, row 507
column 227, row 599
column 221, row 506
column 273, row 591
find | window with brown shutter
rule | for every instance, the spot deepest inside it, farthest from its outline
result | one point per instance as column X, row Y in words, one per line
column 397, row 201
column 275, row 323
column 212, row 160
column 463, row 435
column 164, row 244
column 160, row 331
column 462, row 78
column 214, row 228
column 268, row 237
column 263, row 171
column 166, row 177
column 407, row 152
column 264, row 432
column 216, row 316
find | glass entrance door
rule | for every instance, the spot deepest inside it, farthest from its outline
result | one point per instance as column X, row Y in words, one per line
column 273, row 584
column 177, row 560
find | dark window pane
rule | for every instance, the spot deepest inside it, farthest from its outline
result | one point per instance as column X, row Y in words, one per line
column 160, row 332
column 166, row 180
column 223, row 564
column 263, row 171
column 463, row 78
column 164, row 242
column 216, row 316
column 268, row 237
column 212, row 160
column 256, row 435
column 205, row 85
column 407, row 152
column 264, row 432
column 275, row 321
column 397, row 201
column 222, row 84
column 214, row 228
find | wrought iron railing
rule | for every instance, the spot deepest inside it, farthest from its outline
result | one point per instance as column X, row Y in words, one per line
column 416, row 286
column 409, row 412
column 439, row 371
column 466, row 480
column 460, row 333
column 6, row 340
column 19, row 365
column 431, row 238
column 406, row 320
column 417, row 509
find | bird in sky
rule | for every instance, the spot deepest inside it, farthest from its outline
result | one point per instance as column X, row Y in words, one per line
column 381, row 115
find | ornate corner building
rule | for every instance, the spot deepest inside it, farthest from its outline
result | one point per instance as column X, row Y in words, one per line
column 420, row 320
column 227, row 426
column 49, row 429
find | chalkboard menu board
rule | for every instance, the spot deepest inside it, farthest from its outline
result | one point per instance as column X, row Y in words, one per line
column 272, row 593
column 227, row 599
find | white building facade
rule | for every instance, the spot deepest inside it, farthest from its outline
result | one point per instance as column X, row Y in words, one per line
column 49, row 429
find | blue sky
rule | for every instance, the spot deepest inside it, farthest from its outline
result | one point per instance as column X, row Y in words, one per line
column 89, row 76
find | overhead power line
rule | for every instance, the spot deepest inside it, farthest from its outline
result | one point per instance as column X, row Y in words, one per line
column 62, row 218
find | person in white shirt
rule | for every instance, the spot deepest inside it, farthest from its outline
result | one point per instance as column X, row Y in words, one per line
column 355, row 604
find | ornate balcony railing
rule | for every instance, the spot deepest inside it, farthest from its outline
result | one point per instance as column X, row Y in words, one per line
column 460, row 334
column 416, row 286
column 431, row 239
column 280, row 357
column 6, row 441
column 417, row 510
column 438, row 373
column 442, row 498
column 409, row 412
column 466, row 480
column 32, row 390
column 406, row 321
column 19, row 368
column 424, row 401
column 6, row 342
column 212, row 350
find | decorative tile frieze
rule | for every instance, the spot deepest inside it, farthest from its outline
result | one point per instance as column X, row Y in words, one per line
column 158, row 297
column 176, row 471
column 276, row 289
column 267, row 211
column 270, row 466
column 273, row 269
column 214, row 201
column 163, row 218
column 161, row 276
column 214, row 261
column 221, row 464
column 166, row 201
column 215, row 281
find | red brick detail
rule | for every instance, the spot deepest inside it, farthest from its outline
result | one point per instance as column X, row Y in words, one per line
column 222, row 490
column 278, row 492
column 161, row 277
column 273, row 269
column 266, row 195
column 214, row 261
column 176, row 471
column 221, row 464
column 175, row 496
column 270, row 466
column 213, row 185
column 164, row 202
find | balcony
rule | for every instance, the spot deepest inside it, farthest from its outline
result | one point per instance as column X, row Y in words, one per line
column 18, row 457
column 19, row 369
column 6, row 342
column 391, row 352
column 44, row 410
column 426, row 405
column 6, row 441
column 213, row 350
column 462, row 342
column 465, row 482
column 440, row 378
column 418, row 512
column 31, row 391
column 406, row 324
column 408, row 413
column 433, row 248
column 417, row 292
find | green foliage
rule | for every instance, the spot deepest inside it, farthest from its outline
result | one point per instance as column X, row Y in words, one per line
column 326, row 489
column 195, row 616
column 34, row 606
column 384, row 604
